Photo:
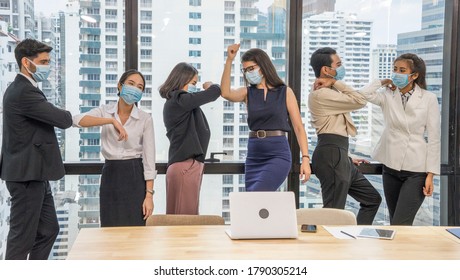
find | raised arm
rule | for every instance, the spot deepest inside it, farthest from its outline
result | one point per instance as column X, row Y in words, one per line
column 228, row 93
column 371, row 93
column 340, row 99
column 190, row 101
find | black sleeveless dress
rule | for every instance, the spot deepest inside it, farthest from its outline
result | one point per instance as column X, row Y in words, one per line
column 269, row 159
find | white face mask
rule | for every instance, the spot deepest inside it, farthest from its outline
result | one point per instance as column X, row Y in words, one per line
column 192, row 88
column 254, row 77
column 41, row 71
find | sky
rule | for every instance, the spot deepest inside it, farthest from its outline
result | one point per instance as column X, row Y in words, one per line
column 390, row 17
column 46, row 8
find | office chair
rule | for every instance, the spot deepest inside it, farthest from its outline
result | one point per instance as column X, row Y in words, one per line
column 325, row 216
column 184, row 220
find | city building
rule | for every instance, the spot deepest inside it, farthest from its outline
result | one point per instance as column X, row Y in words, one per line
column 8, row 70
column 350, row 36
column 88, row 38
column 19, row 16
column 316, row 7
column 428, row 43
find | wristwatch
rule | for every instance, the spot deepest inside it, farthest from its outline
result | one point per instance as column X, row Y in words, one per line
column 150, row 191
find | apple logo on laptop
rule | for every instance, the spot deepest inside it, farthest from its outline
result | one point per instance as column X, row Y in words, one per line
column 263, row 213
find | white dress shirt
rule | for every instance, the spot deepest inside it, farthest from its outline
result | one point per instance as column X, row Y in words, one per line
column 30, row 79
column 141, row 137
column 411, row 139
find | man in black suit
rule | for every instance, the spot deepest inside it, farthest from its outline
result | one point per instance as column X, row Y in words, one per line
column 30, row 155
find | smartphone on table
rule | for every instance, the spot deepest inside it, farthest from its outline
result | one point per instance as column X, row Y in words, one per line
column 308, row 228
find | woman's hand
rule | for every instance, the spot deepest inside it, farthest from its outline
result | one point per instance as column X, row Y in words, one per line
column 122, row 134
column 232, row 50
column 206, row 85
column 305, row 171
column 388, row 83
column 147, row 206
column 358, row 161
column 428, row 188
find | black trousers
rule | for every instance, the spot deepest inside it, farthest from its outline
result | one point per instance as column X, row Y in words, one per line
column 403, row 193
column 33, row 221
column 339, row 177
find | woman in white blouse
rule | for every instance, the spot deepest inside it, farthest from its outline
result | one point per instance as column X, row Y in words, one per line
column 127, row 143
column 409, row 146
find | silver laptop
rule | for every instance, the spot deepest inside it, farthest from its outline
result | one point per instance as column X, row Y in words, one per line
column 262, row 215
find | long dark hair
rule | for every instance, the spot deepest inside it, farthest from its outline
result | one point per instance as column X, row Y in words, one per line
column 417, row 65
column 179, row 77
column 266, row 66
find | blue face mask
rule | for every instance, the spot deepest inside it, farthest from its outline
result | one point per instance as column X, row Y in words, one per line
column 339, row 73
column 192, row 88
column 41, row 72
column 400, row 80
column 130, row 94
column 253, row 77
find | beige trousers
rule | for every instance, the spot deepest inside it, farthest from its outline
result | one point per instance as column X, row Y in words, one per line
column 183, row 184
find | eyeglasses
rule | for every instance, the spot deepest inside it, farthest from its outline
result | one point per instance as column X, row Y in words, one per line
column 249, row 68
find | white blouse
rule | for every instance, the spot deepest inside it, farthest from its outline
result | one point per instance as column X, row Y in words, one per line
column 141, row 137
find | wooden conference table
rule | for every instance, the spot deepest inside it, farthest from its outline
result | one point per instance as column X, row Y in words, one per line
column 211, row 242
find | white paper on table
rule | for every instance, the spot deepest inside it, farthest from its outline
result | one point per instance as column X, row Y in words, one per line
column 336, row 231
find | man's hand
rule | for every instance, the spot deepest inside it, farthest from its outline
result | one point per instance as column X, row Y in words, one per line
column 358, row 161
column 323, row 83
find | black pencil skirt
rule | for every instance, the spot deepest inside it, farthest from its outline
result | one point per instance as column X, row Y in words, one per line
column 122, row 193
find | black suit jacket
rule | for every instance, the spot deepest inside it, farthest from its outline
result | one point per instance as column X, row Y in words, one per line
column 30, row 150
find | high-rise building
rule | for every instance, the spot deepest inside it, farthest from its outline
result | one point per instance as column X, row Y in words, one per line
column 263, row 29
column 383, row 57
column 382, row 61
column 316, row 7
column 350, row 36
column 101, row 63
column 46, row 30
column 19, row 16
column 428, row 44
column 8, row 70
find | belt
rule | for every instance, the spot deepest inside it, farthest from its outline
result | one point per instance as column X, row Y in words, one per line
column 266, row 133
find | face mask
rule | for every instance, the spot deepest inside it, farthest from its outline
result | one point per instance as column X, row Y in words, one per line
column 253, row 77
column 130, row 94
column 339, row 73
column 41, row 72
column 400, row 80
column 192, row 88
